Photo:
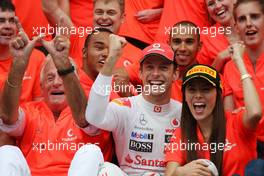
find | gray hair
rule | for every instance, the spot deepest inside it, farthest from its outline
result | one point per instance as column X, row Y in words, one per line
column 47, row 60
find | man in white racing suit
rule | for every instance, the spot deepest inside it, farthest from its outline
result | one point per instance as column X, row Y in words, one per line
column 142, row 125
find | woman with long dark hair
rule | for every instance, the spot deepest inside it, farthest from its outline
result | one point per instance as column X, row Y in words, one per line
column 228, row 139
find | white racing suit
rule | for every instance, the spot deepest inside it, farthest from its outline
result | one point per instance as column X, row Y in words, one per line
column 140, row 129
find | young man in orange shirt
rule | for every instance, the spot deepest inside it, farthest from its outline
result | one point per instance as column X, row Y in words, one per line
column 30, row 86
column 249, row 16
column 95, row 52
column 50, row 131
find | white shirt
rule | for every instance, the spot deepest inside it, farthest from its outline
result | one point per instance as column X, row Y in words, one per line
column 140, row 129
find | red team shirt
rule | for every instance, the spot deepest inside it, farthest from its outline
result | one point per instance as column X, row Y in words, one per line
column 31, row 17
column 239, row 140
column 87, row 83
column 50, row 145
column 81, row 12
column 212, row 46
column 178, row 10
column 135, row 29
column 233, row 84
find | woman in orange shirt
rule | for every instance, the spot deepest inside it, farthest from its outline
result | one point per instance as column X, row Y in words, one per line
column 207, row 132
column 222, row 32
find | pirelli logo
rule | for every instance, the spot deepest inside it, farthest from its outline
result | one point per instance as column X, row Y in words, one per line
column 202, row 69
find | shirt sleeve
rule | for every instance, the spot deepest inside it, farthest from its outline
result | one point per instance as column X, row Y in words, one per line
column 227, row 88
column 98, row 111
column 16, row 129
column 235, row 121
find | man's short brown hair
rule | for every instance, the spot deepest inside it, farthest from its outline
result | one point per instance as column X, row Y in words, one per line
column 120, row 2
column 239, row 2
column 7, row 5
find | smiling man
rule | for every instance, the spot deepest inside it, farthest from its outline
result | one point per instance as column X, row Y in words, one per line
column 30, row 85
column 109, row 14
column 142, row 124
column 185, row 42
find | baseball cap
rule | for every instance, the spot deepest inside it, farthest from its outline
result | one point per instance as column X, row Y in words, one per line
column 158, row 49
column 202, row 71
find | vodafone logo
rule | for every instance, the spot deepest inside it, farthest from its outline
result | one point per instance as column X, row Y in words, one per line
column 126, row 63
column 170, row 131
column 156, row 47
column 157, row 109
column 70, row 133
column 70, row 136
column 175, row 123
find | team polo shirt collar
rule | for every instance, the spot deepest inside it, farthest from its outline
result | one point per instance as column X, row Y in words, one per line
column 248, row 63
column 152, row 108
column 64, row 113
column 84, row 78
column 85, row 81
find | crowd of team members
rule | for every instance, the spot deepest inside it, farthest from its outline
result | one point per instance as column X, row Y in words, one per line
column 177, row 83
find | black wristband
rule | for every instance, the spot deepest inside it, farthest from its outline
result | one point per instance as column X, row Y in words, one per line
column 66, row 71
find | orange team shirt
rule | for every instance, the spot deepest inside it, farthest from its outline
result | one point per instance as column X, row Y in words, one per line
column 130, row 53
column 135, row 29
column 210, row 50
column 178, row 10
column 81, row 12
column 50, row 145
column 233, row 85
column 133, row 73
column 31, row 80
column 87, row 82
column 238, row 140
column 31, row 17
column 76, row 47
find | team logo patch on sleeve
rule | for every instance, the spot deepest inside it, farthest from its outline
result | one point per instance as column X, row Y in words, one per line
column 122, row 102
